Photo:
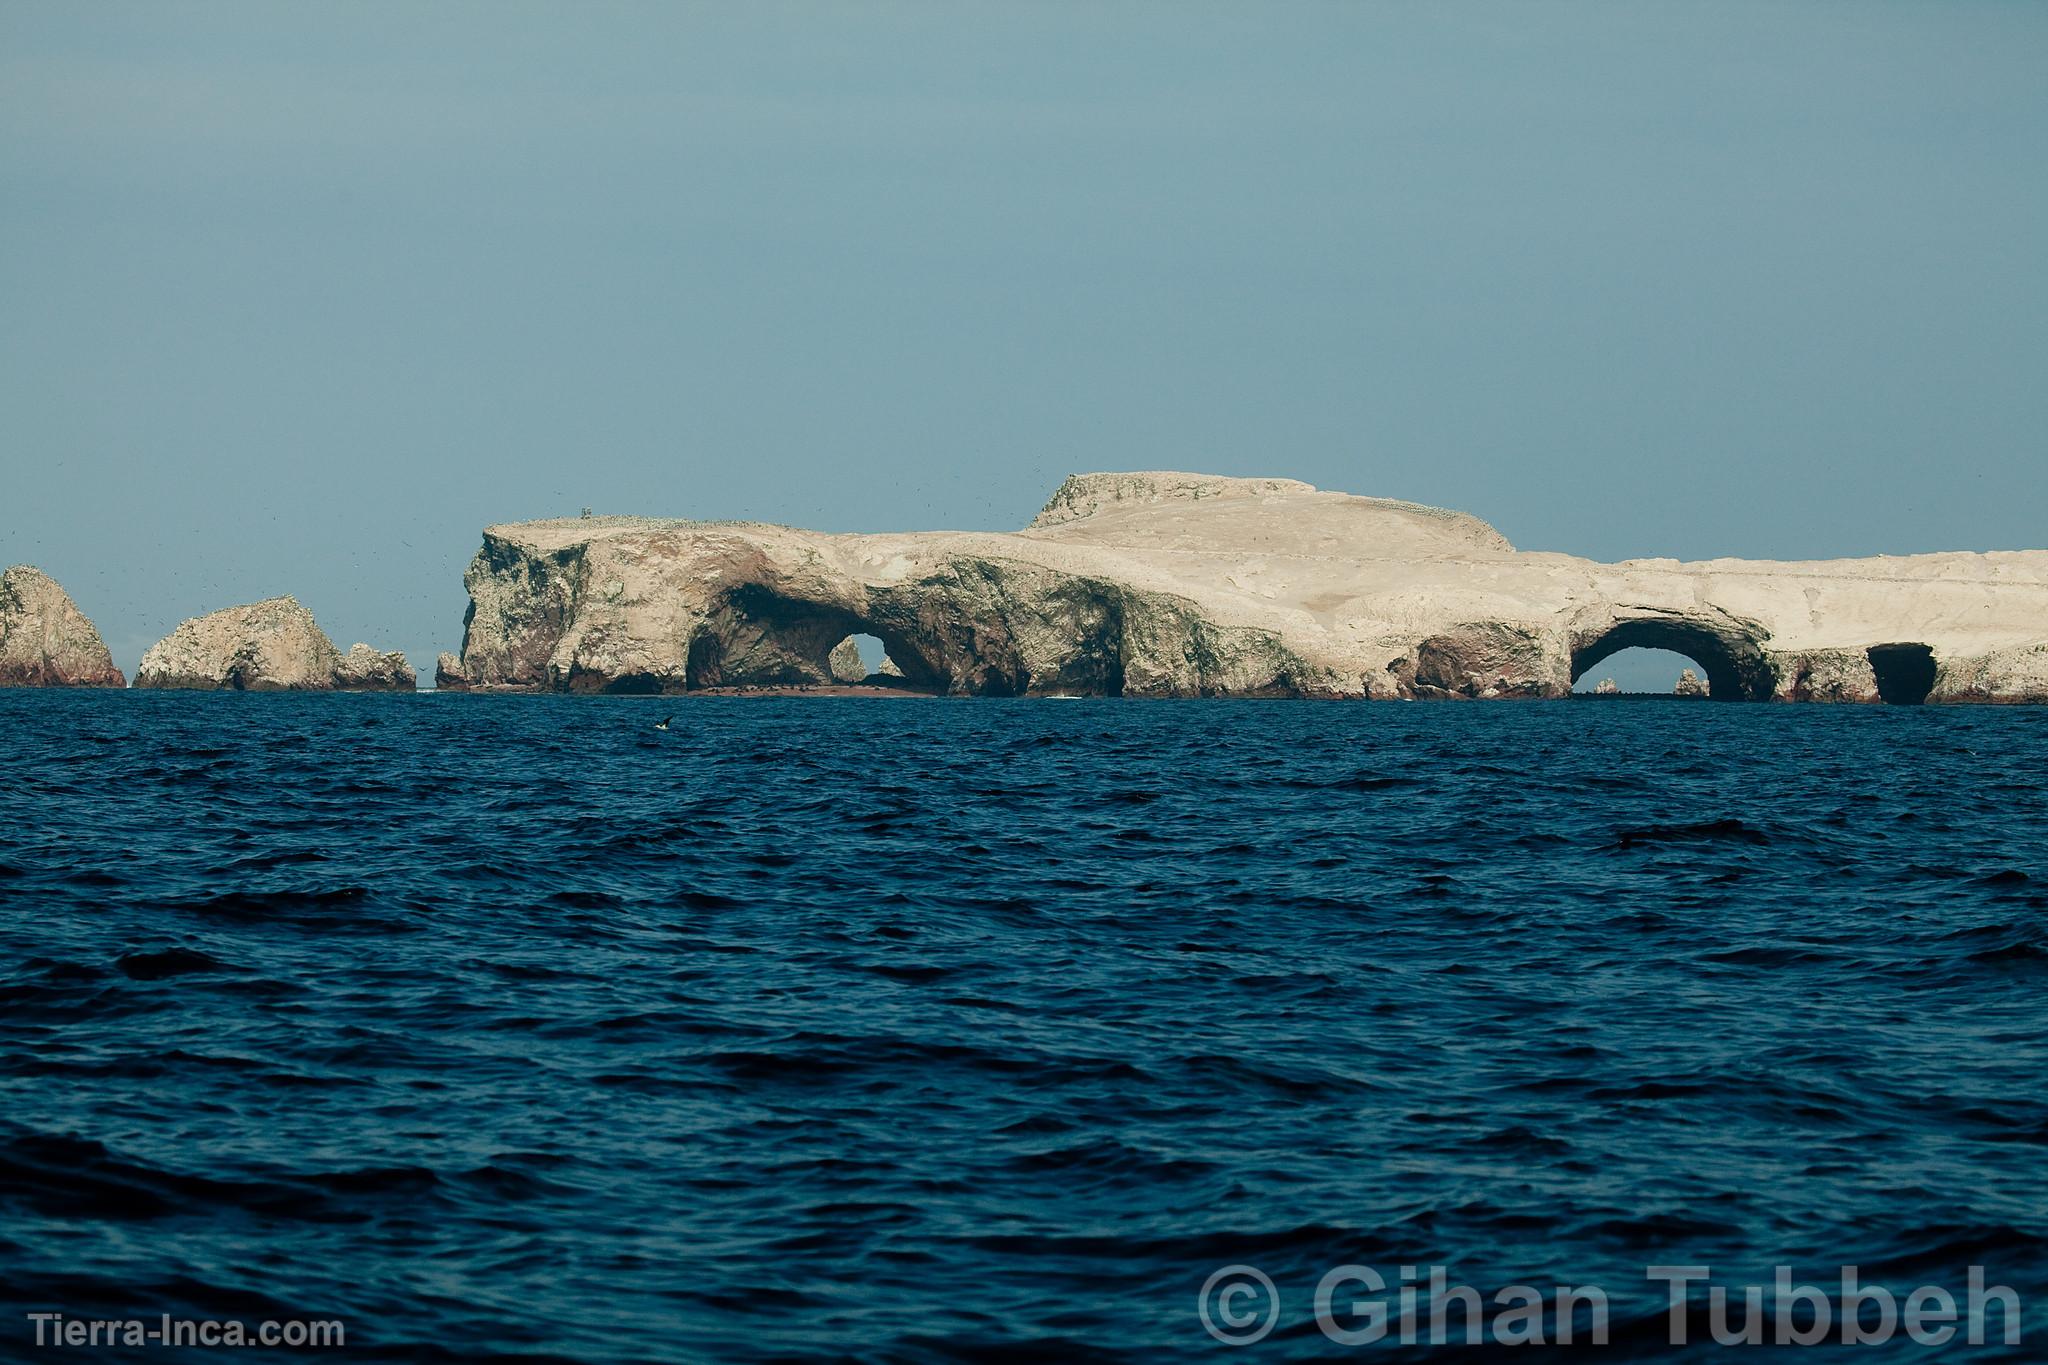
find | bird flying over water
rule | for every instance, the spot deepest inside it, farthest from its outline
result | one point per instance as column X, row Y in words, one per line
column 662, row 724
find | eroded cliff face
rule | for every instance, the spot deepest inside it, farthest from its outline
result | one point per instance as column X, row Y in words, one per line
column 1169, row 584
column 268, row 646
column 45, row 640
column 659, row 607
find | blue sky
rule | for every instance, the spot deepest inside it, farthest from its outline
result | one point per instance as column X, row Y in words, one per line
column 300, row 297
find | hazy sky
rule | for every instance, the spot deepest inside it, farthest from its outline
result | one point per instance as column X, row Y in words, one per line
column 300, row 297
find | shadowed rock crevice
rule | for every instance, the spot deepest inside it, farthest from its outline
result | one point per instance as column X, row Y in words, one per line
column 1905, row 673
column 755, row 637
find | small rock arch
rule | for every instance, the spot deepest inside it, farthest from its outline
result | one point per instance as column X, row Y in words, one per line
column 756, row 636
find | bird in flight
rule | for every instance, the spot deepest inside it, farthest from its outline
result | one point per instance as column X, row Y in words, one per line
column 662, row 724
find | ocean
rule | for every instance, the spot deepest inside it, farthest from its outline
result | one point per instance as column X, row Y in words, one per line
column 513, row 1028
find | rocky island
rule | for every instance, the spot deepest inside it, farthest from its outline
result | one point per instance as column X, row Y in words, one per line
column 268, row 646
column 1184, row 585
column 45, row 640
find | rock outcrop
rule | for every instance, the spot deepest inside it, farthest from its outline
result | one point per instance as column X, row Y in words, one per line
column 844, row 662
column 1165, row 584
column 1607, row 687
column 268, row 646
column 2003, row 675
column 45, row 640
column 364, row 669
column 1690, row 684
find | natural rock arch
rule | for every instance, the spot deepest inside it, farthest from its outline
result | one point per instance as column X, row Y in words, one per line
column 1736, row 666
column 757, row 636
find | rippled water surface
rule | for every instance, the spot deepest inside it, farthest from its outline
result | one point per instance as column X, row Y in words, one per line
column 508, row 1025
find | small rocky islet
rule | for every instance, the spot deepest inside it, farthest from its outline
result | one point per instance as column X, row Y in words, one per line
column 268, row 646
column 45, row 640
column 1147, row 584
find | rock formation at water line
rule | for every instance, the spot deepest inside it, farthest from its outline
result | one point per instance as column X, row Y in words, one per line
column 45, row 640
column 269, row 646
column 1166, row 584
column 1690, row 684
column 844, row 662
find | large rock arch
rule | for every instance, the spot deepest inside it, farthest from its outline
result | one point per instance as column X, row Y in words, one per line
column 1730, row 652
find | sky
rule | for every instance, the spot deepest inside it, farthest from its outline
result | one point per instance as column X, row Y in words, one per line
column 299, row 298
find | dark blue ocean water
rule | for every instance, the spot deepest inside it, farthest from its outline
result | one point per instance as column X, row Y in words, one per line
column 497, row 1026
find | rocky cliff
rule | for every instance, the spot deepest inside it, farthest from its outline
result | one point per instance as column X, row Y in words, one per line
column 45, row 640
column 268, row 646
column 1169, row 584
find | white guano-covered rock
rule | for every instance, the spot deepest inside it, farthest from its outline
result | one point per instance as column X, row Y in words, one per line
column 268, row 646
column 45, row 640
